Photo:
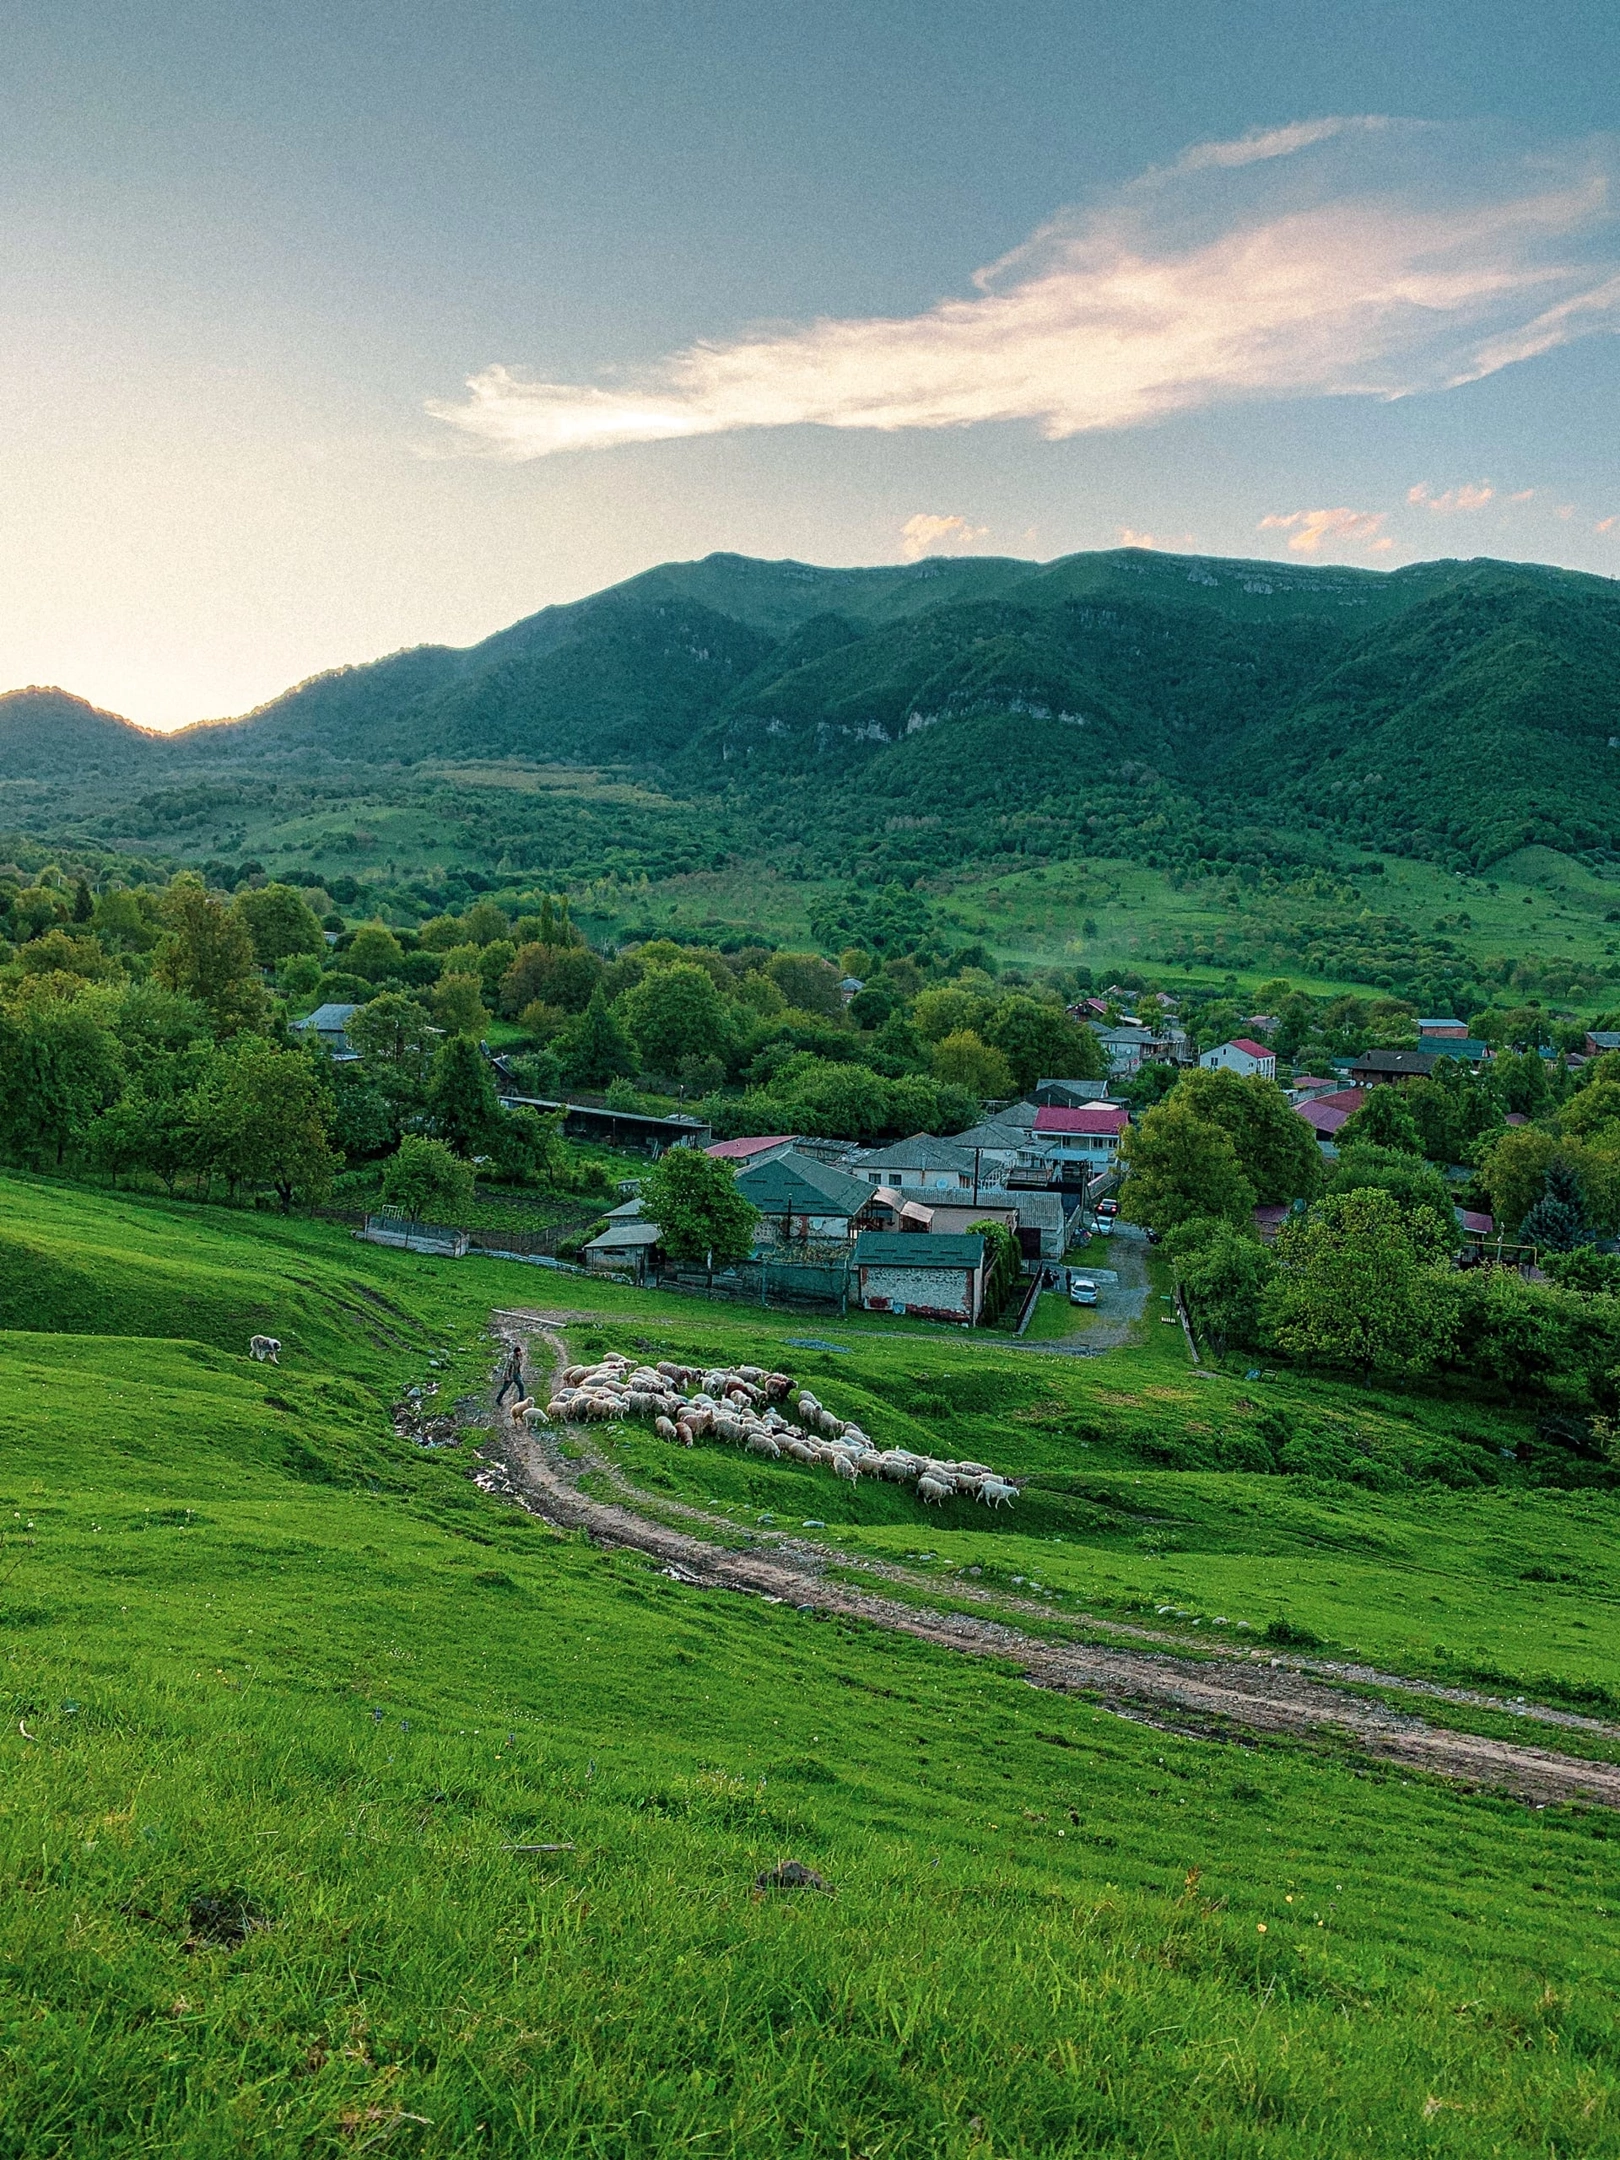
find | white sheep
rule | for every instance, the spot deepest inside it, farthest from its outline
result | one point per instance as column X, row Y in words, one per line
column 996, row 1492
column 844, row 1466
column 264, row 1349
column 933, row 1491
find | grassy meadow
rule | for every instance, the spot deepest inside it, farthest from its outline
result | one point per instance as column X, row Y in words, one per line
column 345, row 1808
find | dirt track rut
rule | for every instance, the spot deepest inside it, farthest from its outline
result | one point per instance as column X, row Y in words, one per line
column 1206, row 1696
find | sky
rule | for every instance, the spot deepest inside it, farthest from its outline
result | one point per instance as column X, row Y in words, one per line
column 333, row 326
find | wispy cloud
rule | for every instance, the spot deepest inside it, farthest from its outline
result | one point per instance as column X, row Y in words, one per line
column 1312, row 530
column 1175, row 543
column 1467, row 497
column 928, row 534
column 1332, row 257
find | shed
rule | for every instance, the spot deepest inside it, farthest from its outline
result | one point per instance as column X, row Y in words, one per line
column 328, row 1024
column 623, row 1248
column 932, row 1277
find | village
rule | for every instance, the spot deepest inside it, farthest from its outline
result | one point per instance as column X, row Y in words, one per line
column 900, row 1228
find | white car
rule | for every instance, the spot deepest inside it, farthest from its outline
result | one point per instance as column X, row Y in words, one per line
column 1103, row 1226
column 1082, row 1291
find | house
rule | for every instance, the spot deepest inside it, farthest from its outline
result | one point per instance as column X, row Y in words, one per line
column 1039, row 1220
column 1323, row 1117
column 327, row 1024
column 1263, row 1023
column 1604, row 1040
column 1391, row 1068
column 940, row 1165
column 1127, row 1047
column 1243, row 1055
column 1077, row 1144
column 625, row 1247
column 1304, row 1085
column 1068, row 1094
column 932, row 1277
column 758, row 1149
column 1433, row 1032
column 999, row 1141
column 851, row 986
column 802, row 1201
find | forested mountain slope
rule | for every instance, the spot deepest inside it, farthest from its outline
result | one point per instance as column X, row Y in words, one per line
column 1456, row 710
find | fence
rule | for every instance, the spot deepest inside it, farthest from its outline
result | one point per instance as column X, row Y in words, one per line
column 387, row 1227
column 772, row 1282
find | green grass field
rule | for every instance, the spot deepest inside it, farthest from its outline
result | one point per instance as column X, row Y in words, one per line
column 264, row 1662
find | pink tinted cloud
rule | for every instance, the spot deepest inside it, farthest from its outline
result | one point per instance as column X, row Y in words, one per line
column 1467, row 497
column 1312, row 530
column 927, row 534
column 1346, row 257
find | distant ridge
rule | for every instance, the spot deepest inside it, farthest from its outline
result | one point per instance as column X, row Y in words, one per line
column 1453, row 708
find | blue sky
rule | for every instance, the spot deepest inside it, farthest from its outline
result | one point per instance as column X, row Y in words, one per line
column 1333, row 282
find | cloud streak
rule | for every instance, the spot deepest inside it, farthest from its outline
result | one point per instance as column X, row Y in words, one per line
column 1334, row 257
column 1312, row 530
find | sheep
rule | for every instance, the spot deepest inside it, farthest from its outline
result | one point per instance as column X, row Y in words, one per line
column 967, row 1488
column 684, row 1433
column 933, row 1491
column 517, row 1409
column 557, row 1409
column 996, row 1492
column 778, row 1385
column 869, row 1462
column 761, row 1443
column 801, row 1451
column 534, row 1415
column 844, row 1466
column 664, row 1429
column 264, row 1350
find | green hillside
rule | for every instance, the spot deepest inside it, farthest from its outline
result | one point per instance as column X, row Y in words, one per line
column 347, row 1808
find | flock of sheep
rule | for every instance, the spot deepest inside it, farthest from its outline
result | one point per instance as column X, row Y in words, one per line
column 744, row 1405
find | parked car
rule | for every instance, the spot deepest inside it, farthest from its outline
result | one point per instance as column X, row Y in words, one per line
column 1104, row 1226
column 1082, row 1291
column 1109, row 1208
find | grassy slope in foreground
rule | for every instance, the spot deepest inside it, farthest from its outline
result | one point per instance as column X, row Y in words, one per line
column 262, row 1648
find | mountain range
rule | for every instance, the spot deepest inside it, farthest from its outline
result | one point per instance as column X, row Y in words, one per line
column 1454, row 709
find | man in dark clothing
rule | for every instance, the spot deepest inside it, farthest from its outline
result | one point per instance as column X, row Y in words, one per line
column 511, row 1375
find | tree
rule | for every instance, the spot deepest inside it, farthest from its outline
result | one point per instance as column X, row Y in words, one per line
column 1521, row 1081
column 1411, row 1182
column 946, row 1010
column 553, row 974
column 1360, row 1284
column 462, row 1101
column 700, row 1214
column 374, row 952
column 808, row 983
column 1003, row 1269
column 1224, row 1282
column 60, row 1067
column 423, row 1178
column 1178, row 1166
column 280, row 922
column 1276, row 1149
column 458, row 1005
column 484, row 923
column 1514, row 1170
column 1149, row 1084
column 394, row 1030
column 675, row 1012
column 1041, row 1042
column 208, row 955
column 1558, row 1219
column 967, row 1061
column 1383, row 1121
column 264, row 1118
column 594, row 1049
column 84, row 901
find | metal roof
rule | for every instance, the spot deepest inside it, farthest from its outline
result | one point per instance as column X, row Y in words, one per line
column 917, row 1248
column 795, row 1184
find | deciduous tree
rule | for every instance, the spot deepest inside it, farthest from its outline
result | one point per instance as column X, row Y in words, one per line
column 700, row 1214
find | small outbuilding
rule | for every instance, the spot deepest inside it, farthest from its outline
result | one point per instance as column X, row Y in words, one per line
column 920, row 1273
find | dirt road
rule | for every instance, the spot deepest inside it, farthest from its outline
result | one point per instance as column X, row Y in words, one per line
column 1206, row 1696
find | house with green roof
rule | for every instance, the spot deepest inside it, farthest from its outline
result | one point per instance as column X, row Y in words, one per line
column 804, row 1202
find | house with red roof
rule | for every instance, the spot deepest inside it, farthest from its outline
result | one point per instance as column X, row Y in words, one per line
column 1243, row 1055
column 1076, row 1142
